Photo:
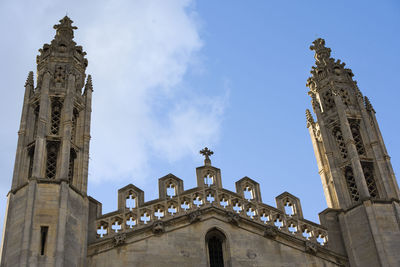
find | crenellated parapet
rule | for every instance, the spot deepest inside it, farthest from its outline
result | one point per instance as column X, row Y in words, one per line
column 177, row 206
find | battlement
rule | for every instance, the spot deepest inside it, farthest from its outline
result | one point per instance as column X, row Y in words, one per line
column 244, row 206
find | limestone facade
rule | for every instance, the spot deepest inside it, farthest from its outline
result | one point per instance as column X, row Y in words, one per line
column 51, row 221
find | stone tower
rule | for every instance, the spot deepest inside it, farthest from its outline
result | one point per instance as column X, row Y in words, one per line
column 47, row 213
column 362, row 194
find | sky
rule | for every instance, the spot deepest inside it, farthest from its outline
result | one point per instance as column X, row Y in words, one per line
column 173, row 76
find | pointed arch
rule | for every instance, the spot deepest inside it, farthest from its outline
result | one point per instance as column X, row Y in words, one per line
column 217, row 248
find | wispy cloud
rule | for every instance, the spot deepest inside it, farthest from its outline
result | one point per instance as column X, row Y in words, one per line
column 140, row 56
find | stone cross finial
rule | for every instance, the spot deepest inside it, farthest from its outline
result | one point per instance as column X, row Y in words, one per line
column 206, row 153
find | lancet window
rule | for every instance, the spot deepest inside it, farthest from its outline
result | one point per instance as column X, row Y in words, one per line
column 56, row 107
column 215, row 241
column 370, row 180
column 351, row 184
column 355, row 130
column 36, row 120
column 72, row 157
column 31, row 152
column 74, row 124
column 51, row 163
column 340, row 142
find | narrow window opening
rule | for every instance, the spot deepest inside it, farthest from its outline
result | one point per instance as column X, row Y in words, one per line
column 209, row 180
column 216, row 242
column 340, row 142
column 43, row 237
column 370, row 180
column 55, row 116
column 35, row 124
column 351, row 183
column 73, row 126
column 71, row 166
column 171, row 192
column 289, row 208
column 130, row 201
column 355, row 130
column 248, row 193
column 31, row 152
column 51, row 166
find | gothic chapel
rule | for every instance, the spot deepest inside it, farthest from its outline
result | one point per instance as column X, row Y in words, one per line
column 51, row 221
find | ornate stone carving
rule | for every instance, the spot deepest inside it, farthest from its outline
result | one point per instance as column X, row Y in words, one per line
column 194, row 216
column 233, row 218
column 206, row 153
column 270, row 231
column 158, row 227
column 311, row 247
column 119, row 239
column 310, row 119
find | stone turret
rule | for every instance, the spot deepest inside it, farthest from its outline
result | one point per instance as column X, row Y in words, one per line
column 359, row 183
column 46, row 221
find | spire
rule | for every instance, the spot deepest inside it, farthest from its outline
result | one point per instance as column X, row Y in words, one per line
column 29, row 80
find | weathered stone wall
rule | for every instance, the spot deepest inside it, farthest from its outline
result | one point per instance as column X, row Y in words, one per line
column 375, row 234
column 56, row 206
column 186, row 245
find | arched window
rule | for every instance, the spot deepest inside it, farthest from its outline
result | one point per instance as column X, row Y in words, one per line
column 351, row 184
column 216, row 248
column 337, row 133
column 355, row 130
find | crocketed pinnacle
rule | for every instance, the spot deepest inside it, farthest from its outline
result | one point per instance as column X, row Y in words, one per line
column 309, row 117
column 89, row 85
column 29, row 80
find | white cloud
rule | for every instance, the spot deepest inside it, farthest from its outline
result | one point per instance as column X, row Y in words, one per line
column 139, row 57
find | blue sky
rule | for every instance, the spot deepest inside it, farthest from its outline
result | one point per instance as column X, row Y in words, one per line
column 171, row 77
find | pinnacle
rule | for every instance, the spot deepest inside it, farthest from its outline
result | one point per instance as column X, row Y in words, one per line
column 309, row 117
column 29, row 80
column 89, row 84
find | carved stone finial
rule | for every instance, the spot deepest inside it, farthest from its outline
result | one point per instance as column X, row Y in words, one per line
column 270, row 231
column 311, row 247
column 29, row 80
column 119, row 239
column 368, row 105
column 310, row 119
column 194, row 216
column 65, row 30
column 206, row 153
column 322, row 52
column 158, row 227
column 233, row 218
